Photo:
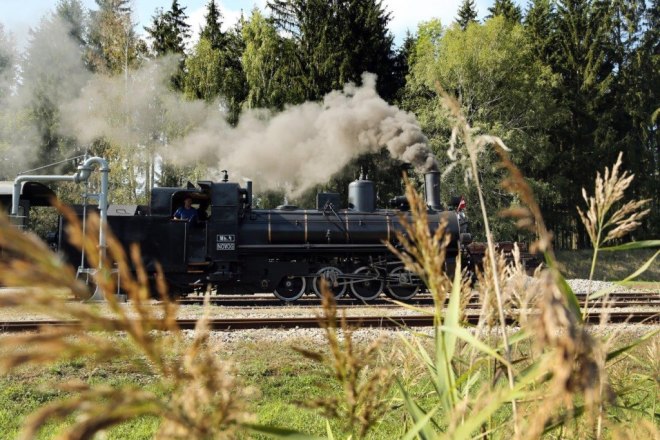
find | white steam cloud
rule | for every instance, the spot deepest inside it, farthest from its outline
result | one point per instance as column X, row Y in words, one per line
column 297, row 148
column 306, row 144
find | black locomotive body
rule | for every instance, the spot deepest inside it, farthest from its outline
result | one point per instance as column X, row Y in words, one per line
column 286, row 250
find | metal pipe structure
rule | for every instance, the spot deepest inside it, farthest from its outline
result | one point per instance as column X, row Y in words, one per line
column 82, row 175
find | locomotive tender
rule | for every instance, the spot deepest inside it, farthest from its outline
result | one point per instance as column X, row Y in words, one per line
column 287, row 251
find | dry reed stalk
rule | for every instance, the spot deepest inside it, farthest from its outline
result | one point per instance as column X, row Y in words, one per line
column 203, row 399
column 575, row 360
column 609, row 190
column 522, row 291
column 362, row 401
column 421, row 252
column 572, row 357
column 463, row 131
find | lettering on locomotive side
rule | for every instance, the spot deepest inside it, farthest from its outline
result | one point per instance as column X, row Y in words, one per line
column 225, row 242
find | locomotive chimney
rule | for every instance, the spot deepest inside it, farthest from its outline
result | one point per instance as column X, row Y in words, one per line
column 432, row 190
column 248, row 187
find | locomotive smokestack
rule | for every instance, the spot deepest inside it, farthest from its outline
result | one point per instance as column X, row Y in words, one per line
column 432, row 190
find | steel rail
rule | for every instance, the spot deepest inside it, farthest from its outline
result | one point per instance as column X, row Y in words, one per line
column 614, row 300
column 229, row 324
column 356, row 304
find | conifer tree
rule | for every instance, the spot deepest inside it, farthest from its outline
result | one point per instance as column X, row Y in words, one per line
column 53, row 72
column 73, row 13
column 401, row 64
column 628, row 120
column 169, row 33
column 539, row 27
column 507, row 9
column 169, row 30
column 583, row 60
column 113, row 45
column 467, row 14
column 212, row 31
column 214, row 67
column 337, row 41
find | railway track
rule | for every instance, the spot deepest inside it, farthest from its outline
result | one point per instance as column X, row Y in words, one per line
column 229, row 324
column 616, row 299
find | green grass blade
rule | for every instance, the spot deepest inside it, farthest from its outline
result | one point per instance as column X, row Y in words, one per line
column 328, row 430
column 474, row 342
column 518, row 336
column 643, row 268
column 573, row 303
column 633, row 245
column 425, row 431
column 503, row 396
column 453, row 311
column 420, row 424
column 640, row 284
column 602, row 292
column 619, row 351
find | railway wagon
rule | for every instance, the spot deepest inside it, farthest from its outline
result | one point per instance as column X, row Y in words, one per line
column 288, row 251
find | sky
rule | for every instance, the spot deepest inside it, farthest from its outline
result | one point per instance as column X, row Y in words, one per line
column 19, row 15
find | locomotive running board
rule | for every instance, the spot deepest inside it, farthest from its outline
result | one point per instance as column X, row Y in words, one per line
column 256, row 248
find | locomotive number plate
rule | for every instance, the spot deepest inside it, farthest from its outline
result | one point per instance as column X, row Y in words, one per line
column 225, row 242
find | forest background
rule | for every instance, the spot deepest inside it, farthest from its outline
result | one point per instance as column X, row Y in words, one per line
column 566, row 84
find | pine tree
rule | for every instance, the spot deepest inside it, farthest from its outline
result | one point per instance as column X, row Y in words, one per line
column 169, row 33
column 467, row 14
column 213, row 72
column 583, row 60
column 73, row 13
column 113, row 46
column 169, row 30
column 212, row 31
column 337, row 41
column 507, row 9
column 539, row 27
column 635, row 92
column 401, row 64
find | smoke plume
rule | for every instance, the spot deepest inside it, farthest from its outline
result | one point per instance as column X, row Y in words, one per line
column 306, row 144
column 137, row 111
column 297, row 148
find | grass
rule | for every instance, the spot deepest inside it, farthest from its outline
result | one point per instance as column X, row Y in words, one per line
column 282, row 378
column 24, row 392
column 611, row 266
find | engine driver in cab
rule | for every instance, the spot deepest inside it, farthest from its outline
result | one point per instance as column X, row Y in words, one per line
column 186, row 213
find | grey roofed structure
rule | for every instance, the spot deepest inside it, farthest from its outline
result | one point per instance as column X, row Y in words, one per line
column 36, row 193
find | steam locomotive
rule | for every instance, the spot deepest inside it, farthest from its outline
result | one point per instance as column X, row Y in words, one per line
column 287, row 251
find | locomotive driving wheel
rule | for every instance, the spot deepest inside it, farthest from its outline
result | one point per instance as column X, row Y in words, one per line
column 335, row 279
column 290, row 288
column 369, row 287
column 401, row 284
